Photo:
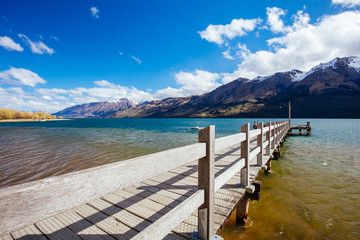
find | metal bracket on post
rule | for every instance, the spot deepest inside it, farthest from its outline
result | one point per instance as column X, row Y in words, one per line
column 250, row 189
column 206, row 181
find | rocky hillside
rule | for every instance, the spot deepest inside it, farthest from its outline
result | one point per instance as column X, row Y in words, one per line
column 328, row 90
column 95, row 109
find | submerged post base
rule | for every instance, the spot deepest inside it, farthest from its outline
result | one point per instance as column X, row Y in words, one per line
column 242, row 210
column 268, row 165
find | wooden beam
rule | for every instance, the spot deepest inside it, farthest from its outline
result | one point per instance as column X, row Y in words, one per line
column 206, row 179
column 228, row 141
column 228, row 174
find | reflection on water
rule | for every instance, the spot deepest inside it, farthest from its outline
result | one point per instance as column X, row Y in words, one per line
column 312, row 193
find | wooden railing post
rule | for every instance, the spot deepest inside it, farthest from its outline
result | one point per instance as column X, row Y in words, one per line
column 260, row 142
column 276, row 133
column 289, row 113
column 206, row 180
column 245, row 152
column 268, row 134
column 279, row 138
column 272, row 125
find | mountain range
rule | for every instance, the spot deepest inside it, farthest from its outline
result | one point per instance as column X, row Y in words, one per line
column 328, row 90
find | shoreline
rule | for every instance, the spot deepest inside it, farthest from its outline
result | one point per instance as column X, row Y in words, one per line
column 31, row 120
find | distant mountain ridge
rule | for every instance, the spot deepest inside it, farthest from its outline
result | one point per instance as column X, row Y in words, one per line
column 95, row 109
column 328, row 90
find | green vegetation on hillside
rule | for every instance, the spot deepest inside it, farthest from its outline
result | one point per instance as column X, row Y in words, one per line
column 6, row 114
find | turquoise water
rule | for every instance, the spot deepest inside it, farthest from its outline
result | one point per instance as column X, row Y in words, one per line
column 313, row 191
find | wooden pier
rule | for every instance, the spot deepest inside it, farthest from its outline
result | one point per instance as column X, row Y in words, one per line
column 300, row 128
column 183, row 193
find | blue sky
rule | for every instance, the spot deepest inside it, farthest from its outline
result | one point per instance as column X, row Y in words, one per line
column 55, row 54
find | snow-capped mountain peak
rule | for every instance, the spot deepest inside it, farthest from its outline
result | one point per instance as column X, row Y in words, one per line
column 354, row 62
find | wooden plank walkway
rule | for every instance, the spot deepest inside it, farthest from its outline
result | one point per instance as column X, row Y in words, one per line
column 127, row 211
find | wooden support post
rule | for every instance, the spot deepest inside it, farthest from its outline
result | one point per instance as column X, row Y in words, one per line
column 206, row 180
column 276, row 154
column 242, row 209
column 268, row 164
column 308, row 129
column 268, row 134
column 260, row 142
column 245, row 152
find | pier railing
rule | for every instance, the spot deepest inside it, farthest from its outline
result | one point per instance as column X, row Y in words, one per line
column 24, row 204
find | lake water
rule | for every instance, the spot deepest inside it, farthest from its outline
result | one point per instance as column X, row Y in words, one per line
column 313, row 191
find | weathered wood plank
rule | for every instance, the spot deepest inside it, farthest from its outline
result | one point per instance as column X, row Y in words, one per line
column 56, row 230
column 81, row 226
column 107, row 224
column 7, row 237
column 28, row 233
column 165, row 224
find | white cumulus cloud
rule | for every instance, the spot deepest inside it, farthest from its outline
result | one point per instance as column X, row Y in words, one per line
column 94, row 12
column 347, row 3
column 103, row 83
column 273, row 20
column 36, row 47
column 191, row 83
column 9, row 44
column 237, row 28
column 20, row 76
column 227, row 55
column 304, row 46
column 277, row 25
